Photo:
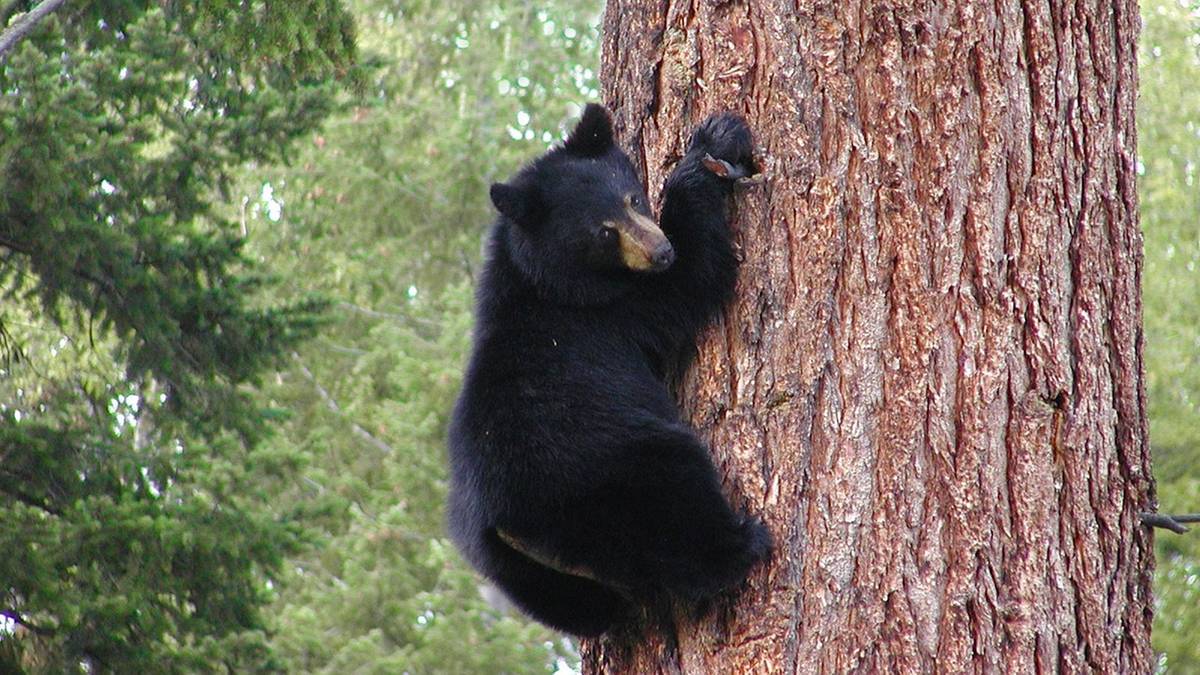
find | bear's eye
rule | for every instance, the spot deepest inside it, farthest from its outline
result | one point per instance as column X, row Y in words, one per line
column 633, row 200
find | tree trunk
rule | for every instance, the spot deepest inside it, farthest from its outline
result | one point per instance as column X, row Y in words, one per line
column 930, row 382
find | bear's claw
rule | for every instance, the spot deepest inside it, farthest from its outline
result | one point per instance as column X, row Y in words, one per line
column 727, row 146
column 723, row 169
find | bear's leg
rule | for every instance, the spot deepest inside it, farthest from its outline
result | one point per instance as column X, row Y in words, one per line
column 680, row 301
column 659, row 521
column 566, row 602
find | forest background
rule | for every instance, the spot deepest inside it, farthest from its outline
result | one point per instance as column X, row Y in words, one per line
column 237, row 253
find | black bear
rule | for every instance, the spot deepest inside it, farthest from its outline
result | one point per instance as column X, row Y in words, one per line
column 575, row 487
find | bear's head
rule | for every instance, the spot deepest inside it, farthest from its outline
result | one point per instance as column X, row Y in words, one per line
column 576, row 222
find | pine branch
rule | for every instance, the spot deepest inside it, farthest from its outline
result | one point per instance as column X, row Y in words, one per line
column 337, row 409
column 9, row 11
column 373, row 313
column 16, row 617
column 376, row 314
column 29, row 500
column 16, row 246
column 11, row 36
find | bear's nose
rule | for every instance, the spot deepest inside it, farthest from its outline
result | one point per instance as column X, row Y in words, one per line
column 663, row 257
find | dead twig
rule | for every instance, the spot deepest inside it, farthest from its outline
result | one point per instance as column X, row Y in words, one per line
column 1167, row 521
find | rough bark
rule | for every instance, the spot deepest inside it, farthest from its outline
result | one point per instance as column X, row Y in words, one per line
column 931, row 380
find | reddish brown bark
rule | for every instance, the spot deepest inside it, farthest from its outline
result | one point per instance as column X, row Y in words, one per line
column 931, row 382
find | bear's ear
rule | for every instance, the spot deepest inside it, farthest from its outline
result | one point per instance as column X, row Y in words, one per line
column 593, row 135
column 517, row 203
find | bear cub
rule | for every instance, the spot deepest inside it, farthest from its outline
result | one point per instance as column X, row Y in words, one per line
column 574, row 485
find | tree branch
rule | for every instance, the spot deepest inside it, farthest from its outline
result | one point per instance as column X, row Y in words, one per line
column 9, row 10
column 376, row 314
column 25, row 24
column 32, row 627
column 373, row 313
column 337, row 409
column 29, row 500
column 15, row 246
column 1166, row 521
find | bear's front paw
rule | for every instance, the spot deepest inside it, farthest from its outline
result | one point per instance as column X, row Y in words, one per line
column 759, row 543
column 725, row 146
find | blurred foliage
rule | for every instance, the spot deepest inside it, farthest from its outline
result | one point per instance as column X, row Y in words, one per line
column 133, row 532
column 161, row 478
column 1169, row 155
column 383, row 213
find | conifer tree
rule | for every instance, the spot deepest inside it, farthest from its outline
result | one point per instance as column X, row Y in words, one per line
column 134, row 533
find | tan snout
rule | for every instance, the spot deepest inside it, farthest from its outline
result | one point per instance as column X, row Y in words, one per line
column 644, row 247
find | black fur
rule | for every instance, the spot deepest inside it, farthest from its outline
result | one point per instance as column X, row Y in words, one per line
column 593, row 136
column 565, row 437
